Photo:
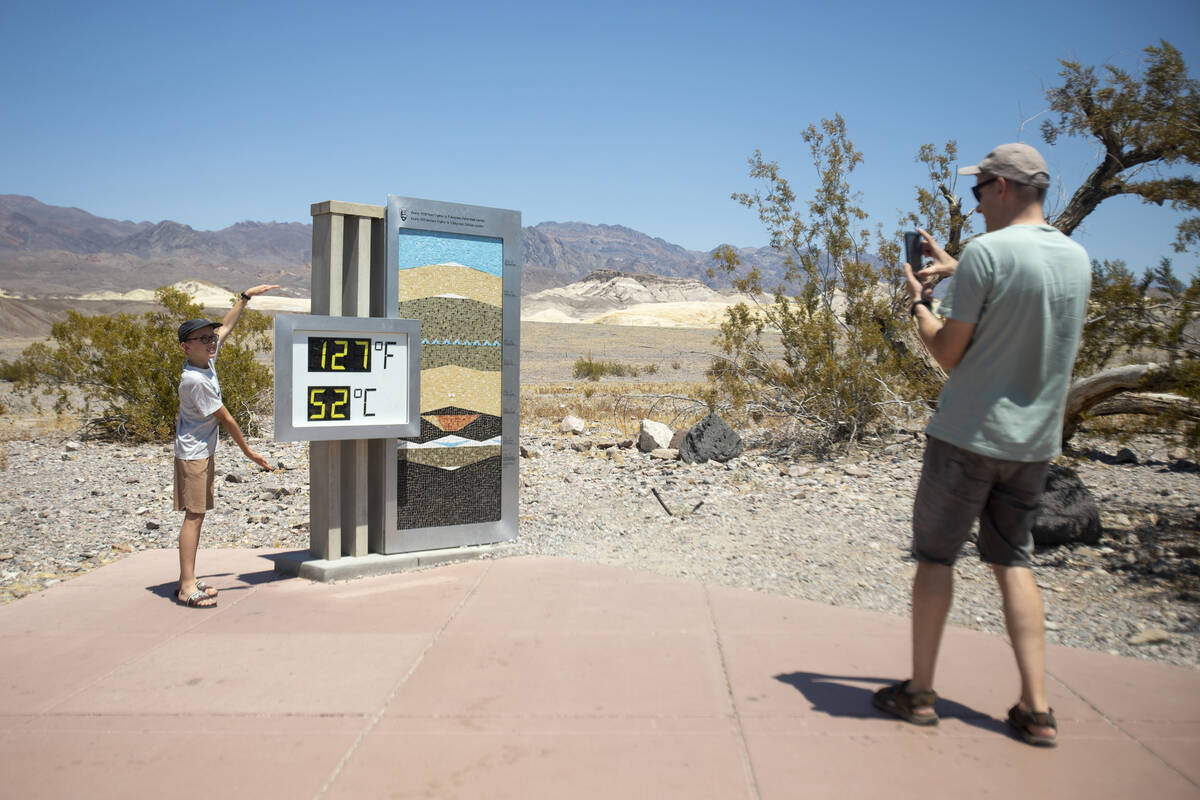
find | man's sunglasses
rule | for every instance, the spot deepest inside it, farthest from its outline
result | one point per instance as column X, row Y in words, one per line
column 210, row 339
column 975, row 189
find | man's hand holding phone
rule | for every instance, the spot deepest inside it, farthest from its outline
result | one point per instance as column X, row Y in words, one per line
column 943, row 265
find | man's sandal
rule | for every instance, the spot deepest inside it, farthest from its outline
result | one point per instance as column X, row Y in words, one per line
column 1021, row 721
column 897, row 701
column 197, row 600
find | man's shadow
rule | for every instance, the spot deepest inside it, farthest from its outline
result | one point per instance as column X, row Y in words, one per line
column 837, row 696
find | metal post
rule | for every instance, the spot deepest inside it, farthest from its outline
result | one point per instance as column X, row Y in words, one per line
column 344, row 261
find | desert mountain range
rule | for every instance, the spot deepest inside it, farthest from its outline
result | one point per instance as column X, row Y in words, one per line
column 54, row 257
column 55, row 251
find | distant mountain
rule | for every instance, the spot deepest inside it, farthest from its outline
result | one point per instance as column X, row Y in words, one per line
column 55, row 251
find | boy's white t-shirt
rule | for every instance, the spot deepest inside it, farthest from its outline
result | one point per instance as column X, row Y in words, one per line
column 199, row 399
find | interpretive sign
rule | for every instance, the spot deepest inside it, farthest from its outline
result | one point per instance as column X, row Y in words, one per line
column 457, row 270
column 346, row 377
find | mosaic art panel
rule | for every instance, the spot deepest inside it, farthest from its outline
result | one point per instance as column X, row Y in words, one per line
column 451, row 473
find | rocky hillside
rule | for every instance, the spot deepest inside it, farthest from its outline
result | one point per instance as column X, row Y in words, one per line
column 622, row 298
column 53, row 251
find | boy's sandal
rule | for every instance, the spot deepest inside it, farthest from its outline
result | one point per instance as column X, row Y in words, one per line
column 897, row 701
column 197, row 600
column 200, row 586
column 1021, row 721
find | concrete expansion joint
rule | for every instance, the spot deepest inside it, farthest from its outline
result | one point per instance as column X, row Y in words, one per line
column 378, row 715
column 743, row 747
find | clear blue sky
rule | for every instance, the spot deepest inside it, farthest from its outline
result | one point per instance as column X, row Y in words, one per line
column 631, row 113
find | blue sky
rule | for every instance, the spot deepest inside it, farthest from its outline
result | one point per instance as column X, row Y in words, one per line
column 631, row 113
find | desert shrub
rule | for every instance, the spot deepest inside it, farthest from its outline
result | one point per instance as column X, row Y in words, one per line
column 834, row 310
column 594, row 369
column 120, row 373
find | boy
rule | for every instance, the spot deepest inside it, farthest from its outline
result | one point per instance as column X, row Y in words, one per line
column 200, row 410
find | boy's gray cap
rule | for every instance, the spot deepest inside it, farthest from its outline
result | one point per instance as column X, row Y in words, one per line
column 193, row 325
column 1017, row 162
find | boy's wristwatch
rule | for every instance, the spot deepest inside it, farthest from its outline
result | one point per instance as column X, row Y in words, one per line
column 246, row 297
column 912, row 310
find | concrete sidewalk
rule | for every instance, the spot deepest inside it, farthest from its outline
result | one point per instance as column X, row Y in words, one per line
column 531, row 678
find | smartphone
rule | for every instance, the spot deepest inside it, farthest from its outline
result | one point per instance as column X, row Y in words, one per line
column 913, row 252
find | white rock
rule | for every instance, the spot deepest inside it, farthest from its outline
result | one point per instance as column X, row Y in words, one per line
column 572, row 424
column 654, row 436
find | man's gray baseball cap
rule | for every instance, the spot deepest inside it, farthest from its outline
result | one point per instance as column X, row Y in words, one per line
column 193, row 325
column 1017, row 162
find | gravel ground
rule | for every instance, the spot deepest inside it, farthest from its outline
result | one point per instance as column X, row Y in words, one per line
column 834, row 532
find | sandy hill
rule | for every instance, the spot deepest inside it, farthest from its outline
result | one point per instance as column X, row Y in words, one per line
column 609, row 297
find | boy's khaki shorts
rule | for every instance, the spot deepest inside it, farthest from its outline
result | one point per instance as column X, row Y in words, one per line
column 194, row 484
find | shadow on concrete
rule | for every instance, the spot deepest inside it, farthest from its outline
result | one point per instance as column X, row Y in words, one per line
column 830, row 695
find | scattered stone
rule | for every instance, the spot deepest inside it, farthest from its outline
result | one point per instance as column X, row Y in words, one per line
column 856, row 471
column 677, row 439
column 1119, row 521
column 1178, row 454
column 572, row 424
column 1125, row 456
column 653, row 436
column 73, row 447
column 1150, row 636
column 711, row 438
column 233, row 477
column 151, row 525
column 1068, row 513
column 664, row 453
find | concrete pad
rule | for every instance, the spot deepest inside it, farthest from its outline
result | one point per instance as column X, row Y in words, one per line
column 583, row 598
column 795, row 656
column 1176, row 743
column 169, row 756
column 563, row 763
column 930, row 765
column 38, row 673
column 1126, row 689
column 567, row 673
column 218, row 673
column 413, row 602
column 538, row 677
column 302, row 564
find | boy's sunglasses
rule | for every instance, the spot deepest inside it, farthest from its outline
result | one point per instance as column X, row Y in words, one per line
column 210, row 339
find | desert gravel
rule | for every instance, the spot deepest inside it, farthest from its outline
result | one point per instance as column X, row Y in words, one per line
column 830, row 531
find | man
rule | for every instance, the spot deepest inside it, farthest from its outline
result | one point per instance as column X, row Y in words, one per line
column 200, row 410
column 1014, row 313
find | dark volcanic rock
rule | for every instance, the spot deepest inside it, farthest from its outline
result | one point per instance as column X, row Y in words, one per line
column 1069, row 513
column 710, row 438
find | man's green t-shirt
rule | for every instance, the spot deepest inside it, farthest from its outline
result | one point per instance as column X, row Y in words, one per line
column 1025, row 288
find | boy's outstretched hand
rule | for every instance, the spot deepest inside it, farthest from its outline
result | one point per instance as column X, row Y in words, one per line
column 255, row 291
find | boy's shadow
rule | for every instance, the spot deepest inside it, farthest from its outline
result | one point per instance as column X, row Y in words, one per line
column 836, row 696
column 247, row 579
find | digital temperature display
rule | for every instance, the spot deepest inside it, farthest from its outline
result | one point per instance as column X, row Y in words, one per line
column 346, row 378
column 329, row 354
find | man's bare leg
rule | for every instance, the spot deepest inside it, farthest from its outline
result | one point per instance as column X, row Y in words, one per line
column 932, row 594
column 1026, row 623
column 189, row 543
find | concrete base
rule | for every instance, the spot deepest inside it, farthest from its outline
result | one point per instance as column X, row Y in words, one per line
column 301, row 564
